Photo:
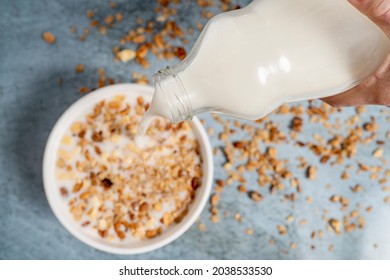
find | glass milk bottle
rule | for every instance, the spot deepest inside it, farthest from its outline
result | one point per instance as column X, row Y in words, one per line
column 249, row 61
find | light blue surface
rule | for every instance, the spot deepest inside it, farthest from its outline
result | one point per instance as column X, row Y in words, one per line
column 31, row 101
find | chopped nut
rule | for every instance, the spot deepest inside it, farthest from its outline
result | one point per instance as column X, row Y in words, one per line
column 202, row 227
column 282, row 230
column 357, row 188
column 97, row 136
column 324, row 159
column 48, row 37
column 378, row 152
column 109, row 19
column 79, row 68
column 214, row 199
column 311, row 172
column 77, row 187
column 84, row 90
column 118, row 17
column 237, row 217
column 195, row 183
column 114, row 104
column 309, row 199
column 167, row 219
column 272, row 152
column 296, row 124
column 336, row 226
column 85, row 195
column 126, row 55
column 90, row 14
column 271, row 241
column 290, row 218
column 215, row 219
column 64, row 192
column 220, row 183
column 344, row 175
column 106, row 183
column 140, row 101
column 66, row 140
column 144, row 207
column 293, row 245
column 335, row 198
column 361, row 222
column 157, row 207
column 151, row 233
column 180, row 52
column 255, row 196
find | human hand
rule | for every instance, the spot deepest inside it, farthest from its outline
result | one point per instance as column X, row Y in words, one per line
column 375, row 90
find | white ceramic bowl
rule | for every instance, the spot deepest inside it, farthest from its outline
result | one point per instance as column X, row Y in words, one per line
column 60, row 208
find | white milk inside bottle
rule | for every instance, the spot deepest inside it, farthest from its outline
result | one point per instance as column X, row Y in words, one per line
column 248, row 62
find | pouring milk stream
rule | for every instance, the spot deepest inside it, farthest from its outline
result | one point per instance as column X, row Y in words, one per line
column 248, row 62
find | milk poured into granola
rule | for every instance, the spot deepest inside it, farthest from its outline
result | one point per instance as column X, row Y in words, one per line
column 120, row 188
column 160, row 109
column 248, row 62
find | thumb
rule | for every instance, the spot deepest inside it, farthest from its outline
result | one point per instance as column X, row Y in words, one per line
column 374, row 90
column 376, row 10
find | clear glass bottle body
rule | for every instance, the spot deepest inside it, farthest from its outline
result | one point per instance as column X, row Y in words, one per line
column 250, row 61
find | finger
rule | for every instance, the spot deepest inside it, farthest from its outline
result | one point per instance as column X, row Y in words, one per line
column 376, row 10
column 372, row 91
column 375, row 90
column 356, row 96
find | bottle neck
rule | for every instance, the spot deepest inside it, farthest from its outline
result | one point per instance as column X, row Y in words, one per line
column 168, row 83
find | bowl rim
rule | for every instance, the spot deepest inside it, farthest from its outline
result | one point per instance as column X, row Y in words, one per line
column 49, row 179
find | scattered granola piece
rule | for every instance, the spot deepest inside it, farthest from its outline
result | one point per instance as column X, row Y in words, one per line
column 90, row 14
column 106, row 183
column 311, row 172
column 271, row 241
column 79, row 68
column 242, row 188
column 84, row 90
column 377, row 153
column 281, row 229
column 202, row 227
column 215, row 219
column 357, row 188
column 237, row 217
column 64, row 192
column 336, row 225
column 290, row 218
column 214, row 199
column 293, row 245
column 126, row 55
column 48, row 37
column 256, row 196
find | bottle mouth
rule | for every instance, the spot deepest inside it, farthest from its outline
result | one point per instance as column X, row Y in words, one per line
column 171, row 87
